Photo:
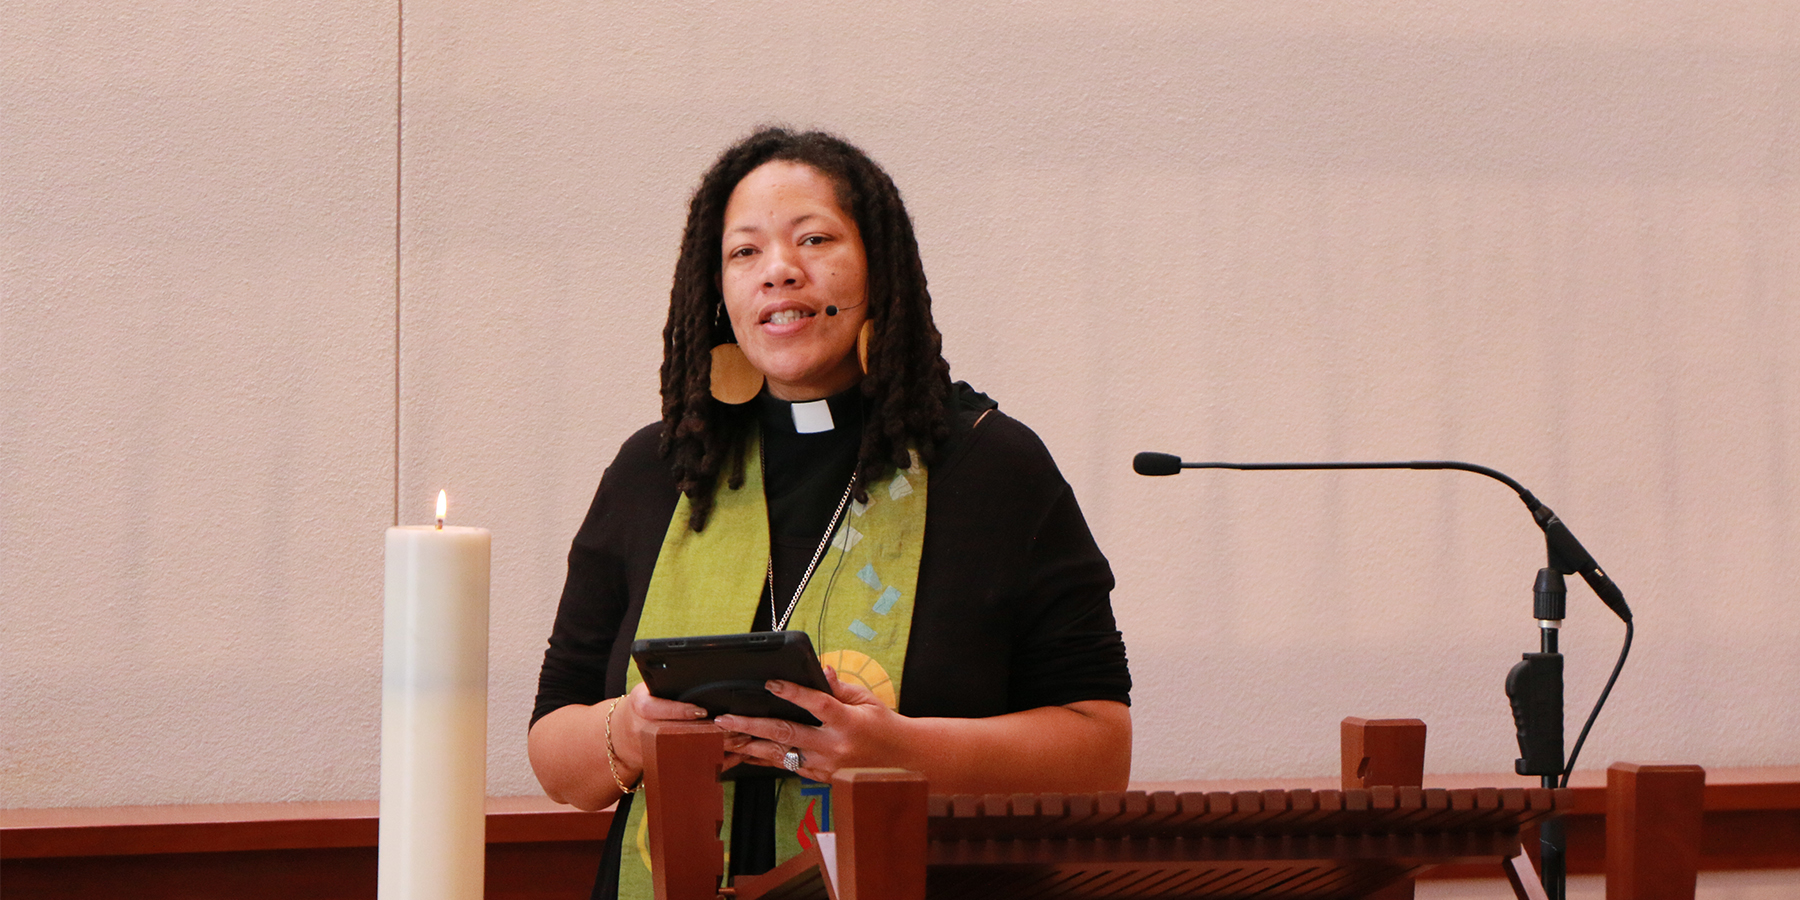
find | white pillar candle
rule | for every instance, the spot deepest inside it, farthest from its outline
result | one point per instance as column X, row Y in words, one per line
column 434, row 713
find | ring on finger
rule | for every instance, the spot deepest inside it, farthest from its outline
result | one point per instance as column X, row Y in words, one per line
column 792, row 760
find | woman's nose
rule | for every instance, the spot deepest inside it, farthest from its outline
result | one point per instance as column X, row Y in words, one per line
column 780, row 269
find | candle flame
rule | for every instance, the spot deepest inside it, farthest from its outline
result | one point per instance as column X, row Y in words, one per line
column 443, row 506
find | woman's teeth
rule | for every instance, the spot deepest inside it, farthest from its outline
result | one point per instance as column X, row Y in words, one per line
column 787, row 315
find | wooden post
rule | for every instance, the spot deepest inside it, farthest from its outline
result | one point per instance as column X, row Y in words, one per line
column 879, row 815
column 1383, row 753
column 1653, row 830
column 684, row 809
column 1379, row 752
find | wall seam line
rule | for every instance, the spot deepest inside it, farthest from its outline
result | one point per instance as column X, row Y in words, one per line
column 399, row 171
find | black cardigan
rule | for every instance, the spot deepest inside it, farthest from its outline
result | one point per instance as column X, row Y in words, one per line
column 1012, row 609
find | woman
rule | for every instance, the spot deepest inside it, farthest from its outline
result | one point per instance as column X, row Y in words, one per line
column 816, row 469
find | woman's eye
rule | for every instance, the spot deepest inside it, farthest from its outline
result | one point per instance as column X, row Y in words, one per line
column 741, row 252
column 812, row 240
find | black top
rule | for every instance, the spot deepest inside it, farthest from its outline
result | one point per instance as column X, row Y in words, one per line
column 1012, row 610
column 804, row 479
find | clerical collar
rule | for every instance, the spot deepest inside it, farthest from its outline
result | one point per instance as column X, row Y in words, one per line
column 810, row 416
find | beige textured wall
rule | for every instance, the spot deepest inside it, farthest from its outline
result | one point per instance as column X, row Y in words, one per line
column 1557, row 239
column 196, row 418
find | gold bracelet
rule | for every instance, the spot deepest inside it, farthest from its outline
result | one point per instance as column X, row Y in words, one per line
column 612, row 754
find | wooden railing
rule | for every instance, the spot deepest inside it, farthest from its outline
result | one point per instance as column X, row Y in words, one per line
column 1364, row 840
column 537, row 849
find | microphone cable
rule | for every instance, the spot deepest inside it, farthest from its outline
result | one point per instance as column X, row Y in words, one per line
column 1604, row 693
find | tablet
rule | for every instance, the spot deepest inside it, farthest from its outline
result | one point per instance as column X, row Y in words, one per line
column 724, row 673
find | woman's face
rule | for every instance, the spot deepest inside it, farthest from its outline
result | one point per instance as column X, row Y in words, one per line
column 789, row 251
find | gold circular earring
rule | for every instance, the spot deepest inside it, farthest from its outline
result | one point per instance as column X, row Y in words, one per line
column 734, row 379
column 862, row 344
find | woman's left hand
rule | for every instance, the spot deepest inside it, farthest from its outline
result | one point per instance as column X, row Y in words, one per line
column 855, row 729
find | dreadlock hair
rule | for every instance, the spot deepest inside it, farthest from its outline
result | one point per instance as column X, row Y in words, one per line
column 908, row 381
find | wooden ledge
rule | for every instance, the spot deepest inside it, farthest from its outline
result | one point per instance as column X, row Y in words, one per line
column 211, row 828
column 1760, row 788
column 1758, row 798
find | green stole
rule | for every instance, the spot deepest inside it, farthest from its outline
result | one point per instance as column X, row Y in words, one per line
column 857, row 610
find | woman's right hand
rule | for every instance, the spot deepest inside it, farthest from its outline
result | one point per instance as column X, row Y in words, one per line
column 631, row 728
column 568, row 746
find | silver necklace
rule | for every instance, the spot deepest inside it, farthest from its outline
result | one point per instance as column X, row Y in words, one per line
column 819, row 553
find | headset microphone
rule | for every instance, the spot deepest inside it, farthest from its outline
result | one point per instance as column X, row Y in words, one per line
column 833, row 310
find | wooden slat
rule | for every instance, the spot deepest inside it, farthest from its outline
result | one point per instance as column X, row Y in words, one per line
column 1295, row 806
column 1192, row 811
column 1161, row 807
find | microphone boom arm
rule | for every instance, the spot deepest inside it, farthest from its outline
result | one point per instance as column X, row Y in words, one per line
column 1566, row 555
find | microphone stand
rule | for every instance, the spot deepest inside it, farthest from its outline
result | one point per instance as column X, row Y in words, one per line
column 1534, row 685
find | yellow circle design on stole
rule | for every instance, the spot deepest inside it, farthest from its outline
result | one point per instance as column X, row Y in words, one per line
column 859, row 668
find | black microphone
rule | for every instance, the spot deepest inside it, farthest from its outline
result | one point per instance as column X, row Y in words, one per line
column 1566, row 553
column 833, row 310
column 1151, row 463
